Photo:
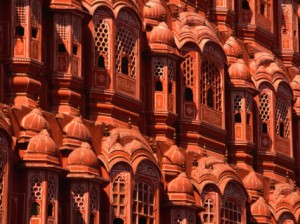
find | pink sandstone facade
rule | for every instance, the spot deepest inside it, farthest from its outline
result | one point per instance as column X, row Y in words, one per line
column 149, row 112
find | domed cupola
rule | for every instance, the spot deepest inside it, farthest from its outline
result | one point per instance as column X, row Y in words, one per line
column 83, row 160
column 173, row 161
column 42, row 148
column 260, row 211
column 232, row 47
column 180, row 190
column 32, row 124
column 75, row 132
column 253, row 184
column 153, row 11
column 161, row 37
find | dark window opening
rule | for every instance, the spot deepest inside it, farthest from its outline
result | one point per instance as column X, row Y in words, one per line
column 245, row 5
column 281, row 129
column 50, row 210
column 101, row 62
column 248, row 118
column 78, row 219
column 118, row 221
column 264, row 128
column 262, row 9
column 158, row 86
column 170, row 88
column 35, row 209
column 92, row 219
column 124, row 65
column 19, row 31
column 34, row 32
column 237, row 118
column 75, row 49
column 142, row 220
column 62, row 48
column 188, row 94
column 210, row 98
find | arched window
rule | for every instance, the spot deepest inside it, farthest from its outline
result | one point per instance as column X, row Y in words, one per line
column 50, row 210
column 282, row 119
column 188, row 67
column 143, row 204
column 170, row 88
column 158, row 86
column 101, row 62
column 19, row 31
column 211, row 92
column 237, row 108
column 78, row 219
column 237, row 118
column 245, row 5
column 264, row 111
column 119, row 195
column 188, row 94
column 35, row 208
column 208, row 214
column 118, row 221
column 124, row 66
column 231, row 213
column 262, row 8
column 92, row 218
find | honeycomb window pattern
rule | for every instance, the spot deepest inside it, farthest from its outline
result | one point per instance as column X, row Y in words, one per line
column 158, row 70
column 51, row 190
column 78, row 199
column 237, row 103
column 187, row 68
column 20, row 13
column 264, row 110
column 119, row 197
column 125, row 47
column 101, row 34
column 93, row 200
column 231, row 213
column 282, row 117
column 249, row 104
column 211, row 79
column 36, row 13
column 143, row 203
column 76, row 28
column 36, row 188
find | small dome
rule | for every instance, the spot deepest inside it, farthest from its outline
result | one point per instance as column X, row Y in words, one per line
column 76, row 129
column 181, row 184
column 232, row 48
column 191, row 19
column 260, row 208
column 252, row 182
column 239, row 70
column 42, row 143
column 174, row 156
column 154, row 10
column 34, row 121
column 161, row 34
column 83, row 155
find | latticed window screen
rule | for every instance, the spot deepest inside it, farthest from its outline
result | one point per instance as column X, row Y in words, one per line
column 76, row 28
column 119, row 197
column 158, row 70
column 237, row 103
column 126, row 44
column 171, row 72
column 231, row 213
column 101, row 37
column 62, row 23
column 143, row 203
column 281, row 118
column 211, row 84
column 36, row 188
column 36, row 13
column 78, row 199
column 208, row 214
column 20, row 13
column 249, row 104
column 264, row 111
column 188, row 67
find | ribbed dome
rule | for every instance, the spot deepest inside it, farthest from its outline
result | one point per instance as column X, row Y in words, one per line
column 154, row 10
column 42, row 143
column 239, row 70
column 83, row 155
column 252, row 182
column 76, row 129
column 181, row 184
column 34, row 121
column 161, row 34
column 260, row 208
column 174, row 156
column 232, row 48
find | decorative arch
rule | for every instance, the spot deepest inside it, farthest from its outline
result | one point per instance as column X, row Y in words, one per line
column 210, row 197
column 213, row 50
